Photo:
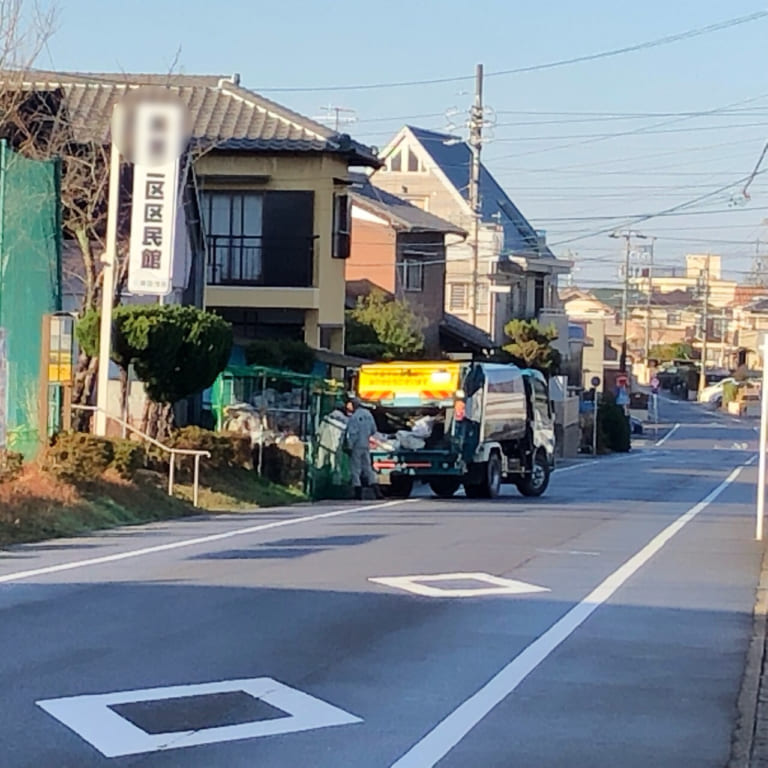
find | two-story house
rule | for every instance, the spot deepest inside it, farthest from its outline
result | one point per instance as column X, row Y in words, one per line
column 401, row 249
column 264, row 228
column 517, row 272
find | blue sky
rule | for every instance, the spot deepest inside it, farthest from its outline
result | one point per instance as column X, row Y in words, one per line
column 535, row 149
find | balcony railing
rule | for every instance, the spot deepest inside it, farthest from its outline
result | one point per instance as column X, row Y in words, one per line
column 249, row 260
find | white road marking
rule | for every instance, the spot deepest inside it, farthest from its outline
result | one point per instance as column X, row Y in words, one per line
column 569, row 552
column 19, row 575
column 449, row 732
column 419, row 585
column 668, row 435
column 92, row 718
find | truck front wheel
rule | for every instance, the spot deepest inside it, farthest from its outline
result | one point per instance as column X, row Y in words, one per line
column 535, row 483
column 490, row 485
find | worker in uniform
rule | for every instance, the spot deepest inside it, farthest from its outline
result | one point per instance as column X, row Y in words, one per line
column 360, row 428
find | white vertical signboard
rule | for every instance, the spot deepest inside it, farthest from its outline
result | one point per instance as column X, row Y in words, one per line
column 158, row 129
column 3, row 391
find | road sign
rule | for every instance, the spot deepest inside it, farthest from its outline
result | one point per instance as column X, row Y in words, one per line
column 158, row 127
column 622, row 381
column 595, row 381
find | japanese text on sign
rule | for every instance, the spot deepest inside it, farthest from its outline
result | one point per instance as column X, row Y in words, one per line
column 155, row 196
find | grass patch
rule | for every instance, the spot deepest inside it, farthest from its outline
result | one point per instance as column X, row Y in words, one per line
column 37, row 506
column 238, row 489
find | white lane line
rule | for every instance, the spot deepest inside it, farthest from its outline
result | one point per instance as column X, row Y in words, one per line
column 19, row 575
column 668, row 435
column 448, row 733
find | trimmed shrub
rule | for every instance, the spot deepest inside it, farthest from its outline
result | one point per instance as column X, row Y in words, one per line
column 11, row 465
column 613, row 426
column 129, row 457
column 290, row 355
column 227, row 450
column 78, row 457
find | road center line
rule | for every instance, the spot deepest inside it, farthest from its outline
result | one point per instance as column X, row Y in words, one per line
column 450, row 731
column 19, row 575
column 668, row 435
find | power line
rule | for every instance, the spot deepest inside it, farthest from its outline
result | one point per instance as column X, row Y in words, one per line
column 666, row 40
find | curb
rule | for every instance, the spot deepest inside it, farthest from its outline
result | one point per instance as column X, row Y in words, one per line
column 752, row 708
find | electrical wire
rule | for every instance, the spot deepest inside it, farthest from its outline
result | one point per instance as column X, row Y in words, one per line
column 665, row 40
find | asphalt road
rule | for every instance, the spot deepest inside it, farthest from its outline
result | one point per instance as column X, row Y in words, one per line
column 610, row 629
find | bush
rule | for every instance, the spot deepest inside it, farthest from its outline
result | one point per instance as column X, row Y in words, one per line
column 78, row 457
column 129, row 457
column 227, row 450
column 11, row 465
column 730, row 392
column 613, row 426
column 290, row 355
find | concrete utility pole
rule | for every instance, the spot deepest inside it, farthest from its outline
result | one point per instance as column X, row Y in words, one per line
column 704, row 324
column 628, row 235
column 475, row 144
column 648, row 303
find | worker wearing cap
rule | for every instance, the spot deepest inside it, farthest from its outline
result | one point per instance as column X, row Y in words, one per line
column 360, row 428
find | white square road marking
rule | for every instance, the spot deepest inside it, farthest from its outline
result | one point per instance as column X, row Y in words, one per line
column 488, row 585
column 91, row 718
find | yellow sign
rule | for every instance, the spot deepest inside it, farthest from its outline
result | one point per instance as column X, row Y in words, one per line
column 428, row 381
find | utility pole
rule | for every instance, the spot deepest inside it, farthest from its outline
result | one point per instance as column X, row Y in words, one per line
column 704, row 323
column 648, row 304
column 475, row 144
column 628, row 235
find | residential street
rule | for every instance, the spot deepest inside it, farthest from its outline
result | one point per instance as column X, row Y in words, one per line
column 632, row 657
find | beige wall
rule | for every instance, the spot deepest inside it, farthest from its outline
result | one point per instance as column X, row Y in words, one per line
column 324, row 304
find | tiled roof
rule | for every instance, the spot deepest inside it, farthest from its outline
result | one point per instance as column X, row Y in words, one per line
column 400, row 213
column 454, row 158
column 466, row 332
column 221, row 112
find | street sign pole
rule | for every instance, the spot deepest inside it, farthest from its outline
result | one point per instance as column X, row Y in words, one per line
column 595, row 384
column 762, row 446
column 108, row 283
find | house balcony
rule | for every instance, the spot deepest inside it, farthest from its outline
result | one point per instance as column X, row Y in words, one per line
column 255, row 261
column 261, row 273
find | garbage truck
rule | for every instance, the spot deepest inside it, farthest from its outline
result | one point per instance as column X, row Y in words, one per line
column 452, row 424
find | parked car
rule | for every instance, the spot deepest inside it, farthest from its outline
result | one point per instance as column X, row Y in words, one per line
column 713, row 394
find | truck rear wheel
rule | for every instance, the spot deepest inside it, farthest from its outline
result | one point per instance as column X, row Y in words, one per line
column 535, row 483
column 444, row 487
column 400, row 487
column 490, row 485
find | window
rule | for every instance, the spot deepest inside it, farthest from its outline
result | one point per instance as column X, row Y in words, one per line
column 482, row 297
column 396, row 163
column 458, row 296
column 538, row 295
column 341, row 227
column 412, row 275
column 541, row 399
column 259, row 238
column 233, row 223
column 674, row 318
column 413, row 162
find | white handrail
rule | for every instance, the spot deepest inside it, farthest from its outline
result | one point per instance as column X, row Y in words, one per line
column 172, row 451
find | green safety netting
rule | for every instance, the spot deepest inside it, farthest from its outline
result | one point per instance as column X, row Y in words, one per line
column 292, row 403
column 30, row 286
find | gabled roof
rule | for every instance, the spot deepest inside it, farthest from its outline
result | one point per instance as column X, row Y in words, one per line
column 454, row 158
column 401, row 214
column 221, row 111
